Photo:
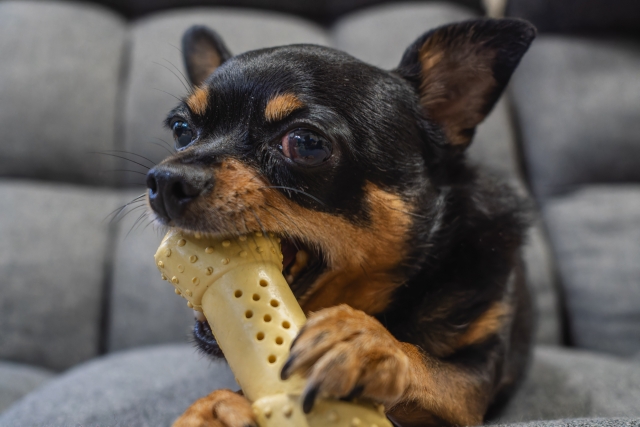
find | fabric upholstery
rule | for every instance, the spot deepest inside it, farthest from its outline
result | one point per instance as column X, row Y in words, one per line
column 143, row 308
column 59, row 80
column 380, row 35
column 581, row 422
column 619, row 16
column 578, row 110
column 143, row 387
column 151, row 386
column 53, row 255
column 595, row 232
column 154, row 82
column 318, row 10
column 17, row 379
column 575, row 384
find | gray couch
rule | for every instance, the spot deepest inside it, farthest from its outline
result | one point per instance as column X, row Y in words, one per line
column 89, row 334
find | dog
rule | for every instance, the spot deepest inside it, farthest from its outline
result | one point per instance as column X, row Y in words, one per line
column 406, row 259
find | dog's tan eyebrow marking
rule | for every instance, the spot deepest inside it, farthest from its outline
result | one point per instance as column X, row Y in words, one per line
column 280, row 106
column 197, row 101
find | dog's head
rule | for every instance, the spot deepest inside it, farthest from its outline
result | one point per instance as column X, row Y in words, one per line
column 341, row 159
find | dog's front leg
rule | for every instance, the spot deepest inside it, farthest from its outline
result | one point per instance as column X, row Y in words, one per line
column 346, row 353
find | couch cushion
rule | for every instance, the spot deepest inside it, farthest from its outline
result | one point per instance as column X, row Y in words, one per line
column 567, row 383
column 144, row 309
column 380, row 35
column 619, row 16
column 152, row 386
column 319, row 10
column 16, row 380
column 156, row 64
column 59, row 80
column 596, row 236
column 52, row 262
column 579, row 112
column 144, row 387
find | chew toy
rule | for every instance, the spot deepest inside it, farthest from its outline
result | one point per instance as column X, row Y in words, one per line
column 238, row 285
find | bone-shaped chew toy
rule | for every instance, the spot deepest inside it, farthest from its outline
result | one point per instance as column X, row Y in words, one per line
column 238, row 285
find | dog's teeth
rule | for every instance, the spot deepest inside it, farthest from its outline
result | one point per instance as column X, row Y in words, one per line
column 289, row 279
column 199, row 316
column 302, row 258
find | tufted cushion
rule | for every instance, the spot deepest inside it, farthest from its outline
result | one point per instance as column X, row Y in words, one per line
column 579, row 112
column 59, row 80
column 588, row 16
column 16, row 380
column 596, row 235
column 53, row 255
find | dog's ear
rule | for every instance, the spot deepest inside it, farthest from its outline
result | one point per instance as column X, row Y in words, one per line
column 203, row 51
column 460, row 70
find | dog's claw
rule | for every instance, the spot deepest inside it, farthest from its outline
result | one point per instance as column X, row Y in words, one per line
column 284, row 373
column 309, row 398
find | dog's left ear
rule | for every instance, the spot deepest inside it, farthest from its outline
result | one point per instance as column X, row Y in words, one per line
column 460, row 71
column 203, row 51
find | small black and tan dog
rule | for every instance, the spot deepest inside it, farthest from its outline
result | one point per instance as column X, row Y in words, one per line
column 406, row 259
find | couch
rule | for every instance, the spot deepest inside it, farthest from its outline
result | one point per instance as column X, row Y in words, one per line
column 90, row 335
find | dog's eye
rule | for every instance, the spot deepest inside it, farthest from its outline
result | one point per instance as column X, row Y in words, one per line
column 182, row 134
column 306, row 147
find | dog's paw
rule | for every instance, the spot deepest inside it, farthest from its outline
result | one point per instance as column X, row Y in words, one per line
column 346, row 353
column 222, row 408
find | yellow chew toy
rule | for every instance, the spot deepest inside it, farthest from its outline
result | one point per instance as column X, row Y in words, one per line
column 238, row 285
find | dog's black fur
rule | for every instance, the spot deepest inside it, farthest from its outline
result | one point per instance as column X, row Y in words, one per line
column 456, row 295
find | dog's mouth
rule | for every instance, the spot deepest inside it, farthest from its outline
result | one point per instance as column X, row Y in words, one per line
column 301, row 267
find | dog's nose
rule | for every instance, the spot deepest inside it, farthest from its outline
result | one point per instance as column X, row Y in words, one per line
column 172, row 188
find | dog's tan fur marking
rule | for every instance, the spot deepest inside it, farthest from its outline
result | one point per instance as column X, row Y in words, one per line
column 487, row 324
column 221, row 408
column 280, row 106
column 440, row 389
column 456, row 82
column 198, row 100
column 360, row 257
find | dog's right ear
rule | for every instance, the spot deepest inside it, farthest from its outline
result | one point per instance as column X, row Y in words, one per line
column 203, row 51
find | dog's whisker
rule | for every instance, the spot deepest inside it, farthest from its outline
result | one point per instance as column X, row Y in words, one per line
column 131, row 210
column 120, row 157
column 133, row 154
column 170, row 94
column 288, row 218
column 119, row 209
column 161, row 146
column 169, row 146
column 186, row 80
column 137, row 221
column 294, row 190
column 264, row 230
column 172, row 72
column 410, row 213
column 124, row 170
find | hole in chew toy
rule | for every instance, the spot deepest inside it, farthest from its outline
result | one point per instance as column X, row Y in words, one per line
column 256, row 297
column 238, row 293
column 248, row 314
column 271, row 358
column 260, row 336
column 279, row 340
column 274, row 303
column 286, row 324
column 263, row 283
column 267, row 318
